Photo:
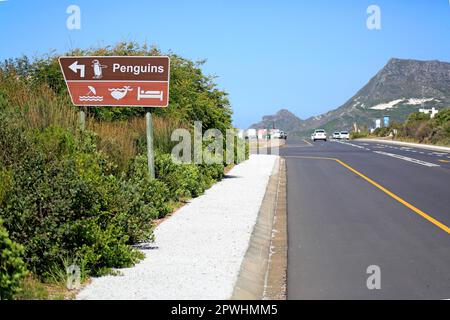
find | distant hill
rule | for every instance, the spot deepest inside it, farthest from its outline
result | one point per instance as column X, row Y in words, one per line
column 399, row 88
column 283, row 119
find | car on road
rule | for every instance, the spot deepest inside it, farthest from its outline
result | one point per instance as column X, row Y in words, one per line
column 319, row 134
column 344, row 135
column 336, row 135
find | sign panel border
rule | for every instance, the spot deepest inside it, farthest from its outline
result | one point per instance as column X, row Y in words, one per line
column 116, row 105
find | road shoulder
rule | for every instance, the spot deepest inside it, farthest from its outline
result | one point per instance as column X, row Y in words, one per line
column 264, row 268
column 198, row 252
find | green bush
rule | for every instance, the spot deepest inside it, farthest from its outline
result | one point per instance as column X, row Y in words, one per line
column 13, row 142
column 62, row 203
column 382, row 132
column 183, row 180
column 12, row 267
column 417, row 116
column 358, row 135
column 442, row 118
column 5, row 183
column 143, row 200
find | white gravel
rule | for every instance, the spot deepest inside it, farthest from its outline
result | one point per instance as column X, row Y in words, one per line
column 198, row 251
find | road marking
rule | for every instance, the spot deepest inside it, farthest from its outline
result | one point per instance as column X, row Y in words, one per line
column 424, row 163
column 353, row 145
column 307, row 142
column 393, row 195
column 386, row 191
column 440, row 154
column 444, row 161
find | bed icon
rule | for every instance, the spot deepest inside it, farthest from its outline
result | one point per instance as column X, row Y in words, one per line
column 142, row 94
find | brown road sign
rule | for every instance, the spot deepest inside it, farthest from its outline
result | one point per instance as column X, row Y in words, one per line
column 117, row 81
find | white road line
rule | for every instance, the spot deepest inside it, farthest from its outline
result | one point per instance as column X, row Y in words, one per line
column 440, row 154
column 424, row 163
column 353, row 145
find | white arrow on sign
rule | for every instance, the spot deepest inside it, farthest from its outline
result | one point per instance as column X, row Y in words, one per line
column 75, row 67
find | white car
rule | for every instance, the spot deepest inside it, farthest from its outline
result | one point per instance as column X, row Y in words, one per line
column 344, row 135
column 336, row 135
column 319, row 134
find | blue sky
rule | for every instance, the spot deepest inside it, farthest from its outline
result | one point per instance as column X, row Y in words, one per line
column 306, row 56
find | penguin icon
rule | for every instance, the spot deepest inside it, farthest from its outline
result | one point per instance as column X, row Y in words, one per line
column 98, row 69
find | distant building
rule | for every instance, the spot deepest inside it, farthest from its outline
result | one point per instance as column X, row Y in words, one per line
column 377, row 123
column 432, row 112
column 275, row 133
column 262, row 133
column 251, row 133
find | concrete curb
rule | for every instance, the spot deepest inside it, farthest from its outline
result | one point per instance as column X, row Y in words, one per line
column 408, row 144
column 276, row 279
column 261, row 275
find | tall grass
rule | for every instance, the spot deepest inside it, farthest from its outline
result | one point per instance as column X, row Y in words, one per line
column 123, row 140
column 40, row 108
column 38, row 105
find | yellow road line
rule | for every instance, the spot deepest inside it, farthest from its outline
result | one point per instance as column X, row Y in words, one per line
column 444, row 161
column 388, row 192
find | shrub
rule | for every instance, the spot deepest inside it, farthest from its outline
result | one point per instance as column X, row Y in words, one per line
column 63, row 206
column 417, row 116
column 183, row 180
column 442, row 118
column 12, row 267
column 13, row 143
column 357, row 135
column 142, row 201
column 382, row 132
column 212, row 172
column 5, row 183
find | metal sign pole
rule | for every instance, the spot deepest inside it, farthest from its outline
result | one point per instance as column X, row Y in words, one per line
column 150, row 154
column 82, row 119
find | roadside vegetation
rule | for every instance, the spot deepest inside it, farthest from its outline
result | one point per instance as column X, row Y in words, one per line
column 418, row 127
column 85, row 197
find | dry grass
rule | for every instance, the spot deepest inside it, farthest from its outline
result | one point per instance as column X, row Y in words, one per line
column 120, row 140
column 40, row 106
column 34, row 289
column 44, row 109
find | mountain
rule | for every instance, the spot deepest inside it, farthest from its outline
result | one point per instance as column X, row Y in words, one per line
column 283, row 119
column 402, row 86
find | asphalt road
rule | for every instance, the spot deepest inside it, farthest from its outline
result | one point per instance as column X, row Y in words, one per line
column 379, row 205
